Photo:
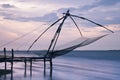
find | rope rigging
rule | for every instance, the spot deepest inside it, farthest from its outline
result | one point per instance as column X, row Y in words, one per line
column 55, row 38
column 51, row 52
column 76, row 26
column 80, row 43
column 42, row 34
column 24, row 35
column 92, row 22
column 10, row 42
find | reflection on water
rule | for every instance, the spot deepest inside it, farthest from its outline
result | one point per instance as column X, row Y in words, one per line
column 66, row 68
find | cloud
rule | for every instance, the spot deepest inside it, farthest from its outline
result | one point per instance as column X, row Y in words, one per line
column 20, row 16
column 7, row 6
column 59, row 2
column 114, row 27
column 5, row 14
column 104, row 15
column 37, row 19
column 6, row 36
column 100, row 13
column 108, row 2
column 27, row 12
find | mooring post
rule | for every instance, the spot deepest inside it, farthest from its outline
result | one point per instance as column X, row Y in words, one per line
column 51, row 67
column 12, row 59
column 30, row 67
column 5, row 59
column 44, row 66
column 25, row 67
column 5, row 62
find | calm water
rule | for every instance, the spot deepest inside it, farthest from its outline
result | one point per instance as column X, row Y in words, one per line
column 77, row 65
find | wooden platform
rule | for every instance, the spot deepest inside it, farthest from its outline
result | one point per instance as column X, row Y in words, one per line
column 11, row 59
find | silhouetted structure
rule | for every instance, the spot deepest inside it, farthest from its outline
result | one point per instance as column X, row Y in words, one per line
column 51, row 52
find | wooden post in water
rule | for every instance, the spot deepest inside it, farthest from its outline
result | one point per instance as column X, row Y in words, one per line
column 44, row 67
column 5, row 62
column 25, row 74
column 31, row 67
column 12, row 59
column 51, row 67
column 5, row 58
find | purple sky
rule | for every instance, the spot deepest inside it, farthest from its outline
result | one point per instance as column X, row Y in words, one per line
column 18, row 17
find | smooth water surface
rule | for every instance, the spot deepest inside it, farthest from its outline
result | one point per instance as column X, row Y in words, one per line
column 77, row 65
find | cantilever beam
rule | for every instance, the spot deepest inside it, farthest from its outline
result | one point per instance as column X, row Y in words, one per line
column 43, row 33
column 56, row 36
column 76, row 25
column 92, row 22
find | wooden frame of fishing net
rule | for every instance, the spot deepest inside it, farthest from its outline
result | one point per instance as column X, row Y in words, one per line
column 53, row 51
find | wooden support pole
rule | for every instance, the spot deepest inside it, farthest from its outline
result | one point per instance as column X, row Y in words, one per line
column 31, row 67
column 25, row 73
column 44, row 67
column 5, row 62
column 12, row 59
column 5, row 59
column 51, row 68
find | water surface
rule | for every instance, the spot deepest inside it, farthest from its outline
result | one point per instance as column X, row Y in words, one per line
column 77, row 65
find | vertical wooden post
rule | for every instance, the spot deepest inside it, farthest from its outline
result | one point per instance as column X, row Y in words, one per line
column 25, row 74
column 5, row 58
column 44, row 67
column 31, row 67
column 51, row 67
column 12, row 59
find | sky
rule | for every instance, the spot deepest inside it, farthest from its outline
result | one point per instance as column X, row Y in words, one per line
column 29, row 18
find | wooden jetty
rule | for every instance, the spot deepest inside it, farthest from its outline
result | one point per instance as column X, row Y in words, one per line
column 4, row 58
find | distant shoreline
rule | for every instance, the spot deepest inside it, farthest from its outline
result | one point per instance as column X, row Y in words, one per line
column 73, row 50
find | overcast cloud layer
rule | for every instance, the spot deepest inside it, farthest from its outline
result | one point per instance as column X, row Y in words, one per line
column 18, row 17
